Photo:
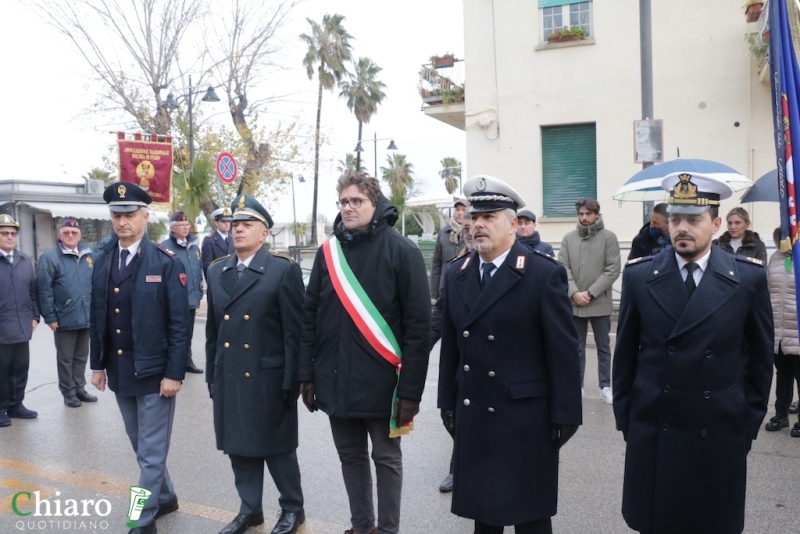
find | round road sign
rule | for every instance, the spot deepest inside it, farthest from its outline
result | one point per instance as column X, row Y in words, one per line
column 226, row 167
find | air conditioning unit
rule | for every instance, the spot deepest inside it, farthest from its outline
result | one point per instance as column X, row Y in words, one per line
column 96, row 187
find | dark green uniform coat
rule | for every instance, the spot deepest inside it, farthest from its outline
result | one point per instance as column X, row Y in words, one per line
column 252, row 341
column 691, row 383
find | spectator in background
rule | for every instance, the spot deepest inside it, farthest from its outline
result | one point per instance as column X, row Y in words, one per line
column 449, row 243
column 739, row 239
column 780, row 277
column 527, row 234
column 654, row 236
column 218, row 243
column 64, row 277
column 591, row 255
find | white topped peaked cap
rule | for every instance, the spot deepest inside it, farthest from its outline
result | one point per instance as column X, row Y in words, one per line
column 487, row 193
column 223, row 214
column 692, row 193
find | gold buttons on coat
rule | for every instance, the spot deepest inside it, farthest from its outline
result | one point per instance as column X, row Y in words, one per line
column 491, row 373
column 116, row 290
column 246, row 346
column 466, row 333
column 491, row 410
column 491, row 337
column 226, row 345
column 119, row 352
column 466, row 402
column 116, row 310
column 119, row 331
column 246, row 317
column 226, row 317
column 466, row 367
column 247, row 375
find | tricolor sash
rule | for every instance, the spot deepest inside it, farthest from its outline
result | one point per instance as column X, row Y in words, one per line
column 367, row 318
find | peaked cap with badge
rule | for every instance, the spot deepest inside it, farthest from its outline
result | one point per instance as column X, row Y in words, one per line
column 246, row 208
column 487, row 193
column 125, row 197
column 221, row 214
column 694, row 193
column 8, row 220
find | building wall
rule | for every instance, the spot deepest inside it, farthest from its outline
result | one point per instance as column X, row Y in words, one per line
column 704, row 82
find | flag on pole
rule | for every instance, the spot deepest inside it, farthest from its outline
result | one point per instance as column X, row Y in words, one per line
column 784, row 42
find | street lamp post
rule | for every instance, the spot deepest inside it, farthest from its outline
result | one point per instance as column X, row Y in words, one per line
column 375, row 140
column 294, row 206
column 171, row 104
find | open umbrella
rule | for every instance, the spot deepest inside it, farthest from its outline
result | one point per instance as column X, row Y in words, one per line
column 765, row 189
column 645, row 185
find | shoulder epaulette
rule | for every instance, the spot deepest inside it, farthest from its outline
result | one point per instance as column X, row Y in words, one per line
column 548, row 256
column 283, row 256
column 750, row 260
column 166, row 251
column 220, row 259
column 639, row 260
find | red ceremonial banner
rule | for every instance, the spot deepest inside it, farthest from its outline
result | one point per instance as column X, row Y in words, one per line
column 147, row 162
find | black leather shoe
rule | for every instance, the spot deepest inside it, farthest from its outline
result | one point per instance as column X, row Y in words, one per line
column 795, row 431
column 168, row 507
column 242, row 522
column 289, row 522
column 776, row 423
column 793, row 407
column 192, row 368
column 447, row 484
column 72, row 401
column 147, row 529
column 4, row 420
column 86, row 397
column 21, row 412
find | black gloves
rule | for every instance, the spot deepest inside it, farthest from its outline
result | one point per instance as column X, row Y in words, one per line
column 289, row 397
column 406, row 410
column 449, row 420
column 307, row 390
column 560, row 434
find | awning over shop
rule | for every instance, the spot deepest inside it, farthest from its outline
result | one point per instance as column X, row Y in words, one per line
column 73, row 209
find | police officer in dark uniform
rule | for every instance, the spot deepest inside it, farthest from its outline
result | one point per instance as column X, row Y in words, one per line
column 255, row 307
column 139, row 329
column 692, row 371
column 184, row 245
column 218, row 243
column 508, row 368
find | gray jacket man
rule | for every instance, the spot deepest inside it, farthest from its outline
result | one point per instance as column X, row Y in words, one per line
column 64, row 278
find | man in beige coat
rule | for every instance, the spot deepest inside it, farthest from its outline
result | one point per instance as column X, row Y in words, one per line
column 591, row 255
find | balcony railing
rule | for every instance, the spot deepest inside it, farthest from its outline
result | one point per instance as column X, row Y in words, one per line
column 442, row 82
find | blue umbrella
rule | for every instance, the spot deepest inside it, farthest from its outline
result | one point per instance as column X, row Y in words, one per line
column 645, row 185
column 764, row 190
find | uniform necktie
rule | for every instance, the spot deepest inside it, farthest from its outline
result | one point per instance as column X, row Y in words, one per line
column 690, row 284
column 10, row 258
column 240, row 270
column 487, row 269
column 123, row 259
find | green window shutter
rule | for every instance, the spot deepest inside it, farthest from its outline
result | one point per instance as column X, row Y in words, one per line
column 553, row 3
column 569, row 167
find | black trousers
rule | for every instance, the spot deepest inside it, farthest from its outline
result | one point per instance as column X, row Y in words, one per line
column 248, row 473
column 539, row 526
column 15, row 358
column 787, row 370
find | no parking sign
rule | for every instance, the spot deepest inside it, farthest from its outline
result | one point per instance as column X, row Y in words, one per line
column 226, row 167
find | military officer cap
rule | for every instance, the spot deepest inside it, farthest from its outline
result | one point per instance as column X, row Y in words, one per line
column 486, row 193
column 70, row 222
column 178, row 216
column 526, row 214
column 693, row 193
column 8, row 220
column 124, row 197
column 246, row 208
column 221, row 214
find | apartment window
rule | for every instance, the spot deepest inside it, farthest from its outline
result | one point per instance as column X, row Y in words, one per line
column 569, row 167
column 557, row 14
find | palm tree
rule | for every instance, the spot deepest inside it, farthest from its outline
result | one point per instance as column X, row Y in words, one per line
column 451, row 174
column 363, row 93
column 299, row 230
column 100, row 174
column 349, row 164
column 328, row 51
column 400, row 176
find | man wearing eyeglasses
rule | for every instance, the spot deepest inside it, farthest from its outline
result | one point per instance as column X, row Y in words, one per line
column 19, row 316
column 64, row 277
column 367, row 309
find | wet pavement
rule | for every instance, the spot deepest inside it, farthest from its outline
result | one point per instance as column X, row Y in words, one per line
column 83, row 454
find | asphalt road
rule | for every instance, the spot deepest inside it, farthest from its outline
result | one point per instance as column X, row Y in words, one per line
column 83, row 454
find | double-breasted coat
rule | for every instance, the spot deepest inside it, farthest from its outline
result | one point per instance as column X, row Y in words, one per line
column 691, row 381
column 252, row 343
column 509, row 368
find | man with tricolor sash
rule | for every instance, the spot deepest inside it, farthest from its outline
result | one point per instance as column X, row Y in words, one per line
column 364, row 348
